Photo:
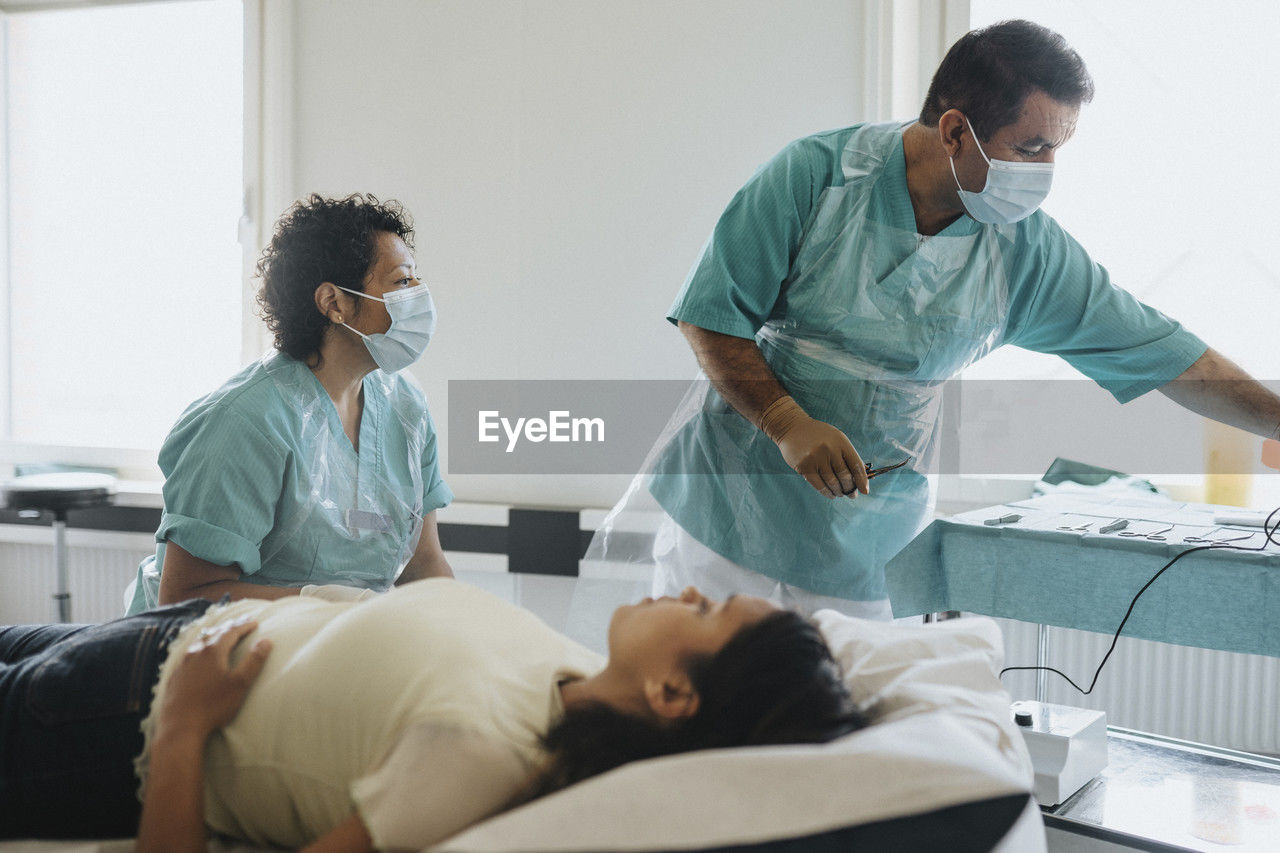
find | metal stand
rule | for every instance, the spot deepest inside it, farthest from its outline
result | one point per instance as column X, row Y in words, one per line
column 62, row 595
column 1042, row 660
column 57, row 493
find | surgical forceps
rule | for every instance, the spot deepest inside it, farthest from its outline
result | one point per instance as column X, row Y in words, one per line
column 1208, row 541
column 876, row 472
column 1154, row 535
column 1110, row 527
column 1082, row 527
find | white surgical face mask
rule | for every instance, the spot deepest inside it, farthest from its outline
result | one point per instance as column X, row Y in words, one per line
column 1013, row 190
column 413, row 321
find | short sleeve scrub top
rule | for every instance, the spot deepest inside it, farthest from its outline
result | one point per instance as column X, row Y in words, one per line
column 260, row 475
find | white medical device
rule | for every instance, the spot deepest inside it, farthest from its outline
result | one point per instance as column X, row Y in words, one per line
column 1068, row 747
column 1241, row 518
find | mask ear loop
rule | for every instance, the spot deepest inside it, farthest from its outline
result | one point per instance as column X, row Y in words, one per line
column 952, row 160
column 954, row 176
column 357, row 293
column 974, row 134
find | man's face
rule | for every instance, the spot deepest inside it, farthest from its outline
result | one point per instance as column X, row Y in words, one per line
column 1043, row 127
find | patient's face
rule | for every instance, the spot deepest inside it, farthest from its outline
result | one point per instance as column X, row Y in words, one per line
column 665, row 631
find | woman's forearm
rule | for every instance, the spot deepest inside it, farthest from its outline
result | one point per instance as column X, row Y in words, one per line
column 428, row 560
column 216, row 589
column 417, row 569
column 185, row 576
column 173, row 810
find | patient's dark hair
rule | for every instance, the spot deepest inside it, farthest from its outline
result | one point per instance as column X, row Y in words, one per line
column 774, row 682
column 988, row 73
column 317, row 240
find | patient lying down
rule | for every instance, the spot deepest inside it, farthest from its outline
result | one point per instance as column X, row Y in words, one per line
column 390, row 723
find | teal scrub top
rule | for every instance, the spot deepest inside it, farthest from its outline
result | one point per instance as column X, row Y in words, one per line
column 252, row 480
column 1059, row 301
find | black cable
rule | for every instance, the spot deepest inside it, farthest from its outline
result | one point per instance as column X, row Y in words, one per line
column 1267, row 528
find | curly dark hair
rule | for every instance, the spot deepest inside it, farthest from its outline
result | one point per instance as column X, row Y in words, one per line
column 988, row 73
column 774, row 682
column 317, row 240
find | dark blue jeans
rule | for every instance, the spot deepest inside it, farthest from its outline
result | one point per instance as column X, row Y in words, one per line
column 71, row 700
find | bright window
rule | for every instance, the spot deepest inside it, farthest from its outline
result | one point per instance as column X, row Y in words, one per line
column 1170, row 179
column 124, row 163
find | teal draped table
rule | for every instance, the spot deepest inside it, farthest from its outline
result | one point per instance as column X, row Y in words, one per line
column 1034, row 572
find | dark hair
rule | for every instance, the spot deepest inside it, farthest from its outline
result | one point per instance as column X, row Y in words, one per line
column 988, row 73
column 774, row 682
column 317, row 240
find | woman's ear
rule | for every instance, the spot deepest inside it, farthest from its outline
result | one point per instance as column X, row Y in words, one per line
column 671, row 698
column 328, row 299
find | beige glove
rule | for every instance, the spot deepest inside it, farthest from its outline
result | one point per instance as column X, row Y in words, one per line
column 336, row 592
column 822, row 454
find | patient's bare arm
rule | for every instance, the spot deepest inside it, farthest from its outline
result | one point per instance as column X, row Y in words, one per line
column 203, row 695
column 186, row 576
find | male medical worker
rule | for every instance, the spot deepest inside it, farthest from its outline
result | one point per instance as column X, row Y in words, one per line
column 853, row 274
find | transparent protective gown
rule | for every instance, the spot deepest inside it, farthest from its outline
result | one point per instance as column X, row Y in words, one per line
column 369, row 514
column 869, row 323
column 340, row 516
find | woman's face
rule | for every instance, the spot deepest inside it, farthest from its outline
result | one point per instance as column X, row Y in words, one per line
column 662, row 633
column 392, row 269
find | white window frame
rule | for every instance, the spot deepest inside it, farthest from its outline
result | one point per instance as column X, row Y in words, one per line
column 268, row 189
column 904, row 40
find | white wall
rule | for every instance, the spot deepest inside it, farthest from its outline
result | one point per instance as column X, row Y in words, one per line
column 564, row 161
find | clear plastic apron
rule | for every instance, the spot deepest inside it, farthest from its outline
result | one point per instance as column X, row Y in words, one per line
column 870, row 322
column 367, row 508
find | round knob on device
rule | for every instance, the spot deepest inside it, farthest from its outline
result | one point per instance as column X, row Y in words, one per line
column 1022, row 718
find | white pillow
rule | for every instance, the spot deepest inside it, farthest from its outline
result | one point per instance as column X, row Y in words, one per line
column 941, row 737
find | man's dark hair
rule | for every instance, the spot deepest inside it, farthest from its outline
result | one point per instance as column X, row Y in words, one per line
column 988, row 73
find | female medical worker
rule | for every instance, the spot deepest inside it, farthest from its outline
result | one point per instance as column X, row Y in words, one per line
column 851, row 277
column 316, row 465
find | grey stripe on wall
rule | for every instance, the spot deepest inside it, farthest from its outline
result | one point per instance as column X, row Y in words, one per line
column 536, row 541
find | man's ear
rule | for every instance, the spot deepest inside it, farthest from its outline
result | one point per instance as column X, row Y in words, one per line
column 671, row 698
column 327, row 299
column 951, row 131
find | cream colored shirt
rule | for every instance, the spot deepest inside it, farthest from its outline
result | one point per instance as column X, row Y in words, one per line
column 420, row 709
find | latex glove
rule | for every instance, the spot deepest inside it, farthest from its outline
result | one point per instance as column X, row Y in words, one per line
column 336, row 592
column 819, row 452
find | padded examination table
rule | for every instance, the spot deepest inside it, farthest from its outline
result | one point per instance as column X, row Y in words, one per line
column 943, row 765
